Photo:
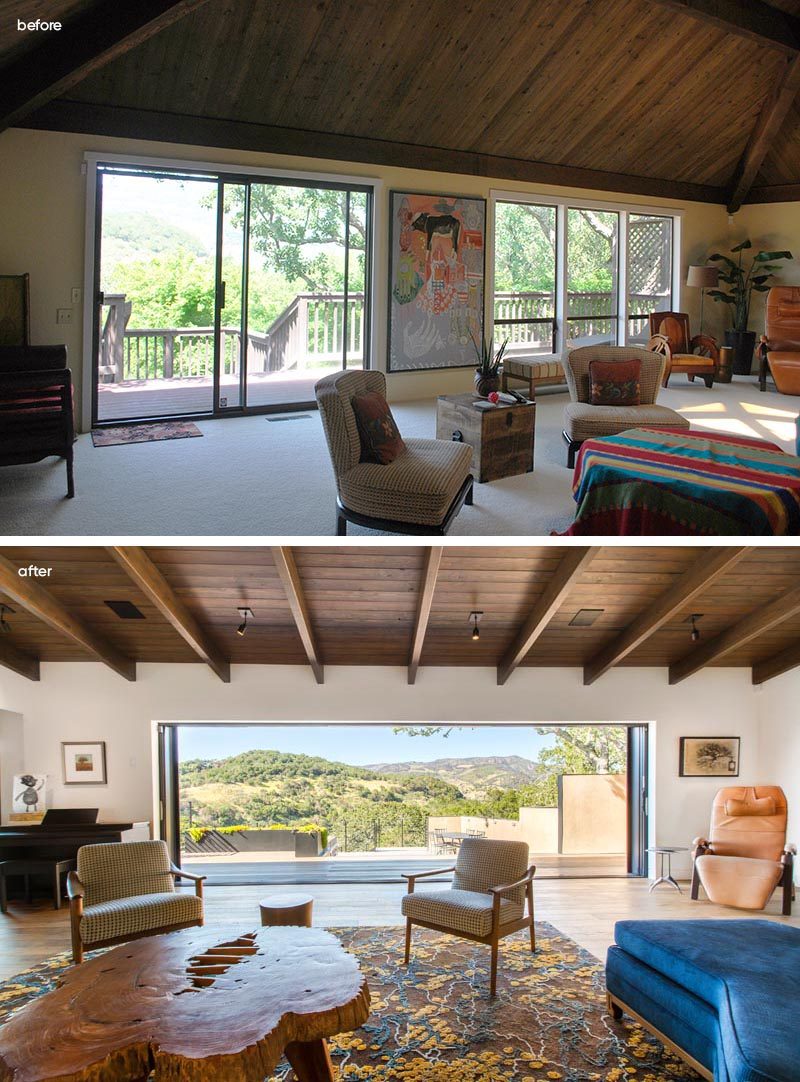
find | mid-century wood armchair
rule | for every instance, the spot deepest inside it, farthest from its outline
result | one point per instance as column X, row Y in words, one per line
column 670, row 335
column 486, row 903
column 126, row 890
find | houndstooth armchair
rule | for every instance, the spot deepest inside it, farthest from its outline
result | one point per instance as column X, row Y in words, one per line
column 126, row 890
column 421, row 492
column 486, row 903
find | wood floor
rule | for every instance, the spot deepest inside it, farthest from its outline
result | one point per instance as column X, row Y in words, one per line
column 583, row 909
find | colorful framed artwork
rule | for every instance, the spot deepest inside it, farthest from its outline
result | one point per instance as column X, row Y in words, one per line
column 709, row 757
column 437, row 257
column 84, row 764
column 28, row 798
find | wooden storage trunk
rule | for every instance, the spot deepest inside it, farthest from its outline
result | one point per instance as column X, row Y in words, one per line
column 501, row 438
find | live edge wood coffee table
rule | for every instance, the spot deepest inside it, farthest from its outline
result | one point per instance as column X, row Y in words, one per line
column 192, row 1006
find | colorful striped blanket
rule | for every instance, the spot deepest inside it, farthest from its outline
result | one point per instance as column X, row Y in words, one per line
column 651, row 482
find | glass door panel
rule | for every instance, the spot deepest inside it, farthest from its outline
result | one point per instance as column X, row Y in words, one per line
column 592, row 276
column 356, row 336
column 525, row 278
column 232, row 272
column 155, row 274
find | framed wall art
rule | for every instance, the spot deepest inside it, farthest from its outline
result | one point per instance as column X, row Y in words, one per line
column 84, row 764
column 709, row 757
column 28, row 798
column 437, row 255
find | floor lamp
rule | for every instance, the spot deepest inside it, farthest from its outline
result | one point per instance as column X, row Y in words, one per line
column 703, row 278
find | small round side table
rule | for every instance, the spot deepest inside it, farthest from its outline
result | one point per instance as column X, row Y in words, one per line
column 725, row 366
column 664, row 853
column 280, row 910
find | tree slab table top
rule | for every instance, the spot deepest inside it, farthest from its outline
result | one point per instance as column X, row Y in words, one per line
column 192, row 1006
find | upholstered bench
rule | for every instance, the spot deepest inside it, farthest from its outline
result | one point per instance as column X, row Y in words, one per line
column 535, row 371
column 724, row 994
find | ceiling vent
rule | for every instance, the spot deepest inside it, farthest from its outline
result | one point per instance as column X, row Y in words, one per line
column 585, row 617
column 126, row 610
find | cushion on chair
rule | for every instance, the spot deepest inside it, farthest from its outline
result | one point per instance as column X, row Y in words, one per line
column 583, row 421
column 692, row 360
column 114, row 870
column 130, row 916
column 614, row 383
column 380, row 437
column 461, row 910
column 490, row 862
column 785, row 369
column 764, row 805
column 742, row 882
column 418, row 486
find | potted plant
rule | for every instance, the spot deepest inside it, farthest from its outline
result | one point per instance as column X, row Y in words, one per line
column 740, row 284
column 487, row 370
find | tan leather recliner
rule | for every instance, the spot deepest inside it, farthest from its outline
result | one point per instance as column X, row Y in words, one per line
column 745, row 856
column 780, row 346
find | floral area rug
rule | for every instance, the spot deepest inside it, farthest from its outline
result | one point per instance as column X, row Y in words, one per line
column 434, row 1021
column 164, row 430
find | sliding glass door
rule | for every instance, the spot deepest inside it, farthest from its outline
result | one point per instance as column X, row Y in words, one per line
column 219, row 293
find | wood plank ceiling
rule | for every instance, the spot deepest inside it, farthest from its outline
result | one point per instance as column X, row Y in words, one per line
column 663, row 98
column 354, row 605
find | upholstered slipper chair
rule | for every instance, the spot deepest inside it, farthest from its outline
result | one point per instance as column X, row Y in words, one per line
column 126, row 890
column 584, row 421
column 420, row 492
column 486, row 901
column 745, row 856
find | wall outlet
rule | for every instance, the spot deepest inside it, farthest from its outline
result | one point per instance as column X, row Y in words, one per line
column 76, row 295
column 63, row 315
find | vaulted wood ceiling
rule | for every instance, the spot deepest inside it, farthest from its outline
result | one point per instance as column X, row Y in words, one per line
column 406, row 606
column 691, row 98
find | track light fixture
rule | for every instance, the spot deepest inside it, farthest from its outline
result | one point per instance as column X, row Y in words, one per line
column 695, row 629
column 475, row 616
column 4, row 611
column 244, row 613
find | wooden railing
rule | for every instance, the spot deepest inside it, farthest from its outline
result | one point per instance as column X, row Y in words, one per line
column 310, row 332
column 589, row 316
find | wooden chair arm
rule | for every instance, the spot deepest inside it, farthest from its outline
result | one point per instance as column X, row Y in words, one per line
column 699, row 847
column 790, row 850
column 198, row 880
column 527, row 877
column 705, row 340
column 659, row 343
column 424, row 875
column 75, row 888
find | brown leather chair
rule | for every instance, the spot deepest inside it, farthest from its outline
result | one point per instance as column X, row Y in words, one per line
column 670, row 335
column 746, row 856
column 780, row 346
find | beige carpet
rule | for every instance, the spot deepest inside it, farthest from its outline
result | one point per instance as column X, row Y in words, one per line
column 253, row 477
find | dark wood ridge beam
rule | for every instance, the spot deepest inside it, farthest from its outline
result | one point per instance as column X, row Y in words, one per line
column 752, row 19
column 14, row 659
column 39, row 603
column 769, row 123
column 290, row 577
column 709, row 565
column 430, row 570
column 777, row 664
column 749, row 627
column 141, row 570
column 774, row 193
column 105, row 31
column 92, row 119
column 573, row 564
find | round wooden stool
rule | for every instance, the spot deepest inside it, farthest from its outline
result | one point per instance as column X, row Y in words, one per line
column 284, row 909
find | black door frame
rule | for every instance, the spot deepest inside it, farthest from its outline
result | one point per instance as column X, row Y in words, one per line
column 637, row 778
column 223, row 177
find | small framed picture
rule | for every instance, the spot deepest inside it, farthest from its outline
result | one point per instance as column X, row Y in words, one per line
column 709, row 757
column 84, row 764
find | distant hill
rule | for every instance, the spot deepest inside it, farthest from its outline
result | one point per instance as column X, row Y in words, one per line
column 473, row 776
column 134, row 235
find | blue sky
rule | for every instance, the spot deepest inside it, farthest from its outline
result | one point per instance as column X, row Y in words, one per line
column 358, row 745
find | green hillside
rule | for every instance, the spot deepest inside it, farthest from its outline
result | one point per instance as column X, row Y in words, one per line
column 476, row 776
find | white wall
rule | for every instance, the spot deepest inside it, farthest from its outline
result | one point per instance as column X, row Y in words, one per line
column 779, row 717
column 11, row 757
column 89, row 702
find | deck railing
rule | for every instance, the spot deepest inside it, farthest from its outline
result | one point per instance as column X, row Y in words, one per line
column 590, row 315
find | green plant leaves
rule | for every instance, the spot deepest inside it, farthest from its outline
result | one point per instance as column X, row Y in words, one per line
column 745, row 244
column 767, row 257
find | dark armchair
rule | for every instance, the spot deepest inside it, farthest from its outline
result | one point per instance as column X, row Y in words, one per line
column 36, row 410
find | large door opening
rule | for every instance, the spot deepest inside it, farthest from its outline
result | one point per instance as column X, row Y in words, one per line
column 217, row 293
column 246, row 804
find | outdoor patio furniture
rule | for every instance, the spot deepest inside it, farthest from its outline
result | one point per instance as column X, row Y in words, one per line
column 420, row 492
column 486, row 902
column 584, row 421
column 671, row 336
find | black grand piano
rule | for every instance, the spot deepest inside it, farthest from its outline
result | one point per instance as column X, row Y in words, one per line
column 54, row 841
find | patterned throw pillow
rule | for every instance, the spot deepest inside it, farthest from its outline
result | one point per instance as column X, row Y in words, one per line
column 380, row 438
column 614, row 383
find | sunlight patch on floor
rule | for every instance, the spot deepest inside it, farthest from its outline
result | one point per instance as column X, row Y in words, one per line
column 782, row 430
column 731, row 425
column 710, row 407
column 767, row 411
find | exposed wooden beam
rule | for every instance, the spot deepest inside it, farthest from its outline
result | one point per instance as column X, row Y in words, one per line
column 93, row 119
column 768, row 125
column 40, row 603
column 108, row 29
column 14, row 659
column 755, row 623
column 777, row 664
column 708, row 566
column 143, row 572
column 290, row 577
column 752, row 19
column 433, row 559
column 774, row 193
column 573, row 564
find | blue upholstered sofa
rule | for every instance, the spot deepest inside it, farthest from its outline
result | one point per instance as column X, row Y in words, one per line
column 725, row 994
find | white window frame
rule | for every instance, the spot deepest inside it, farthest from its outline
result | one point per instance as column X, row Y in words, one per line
column 562, row 204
